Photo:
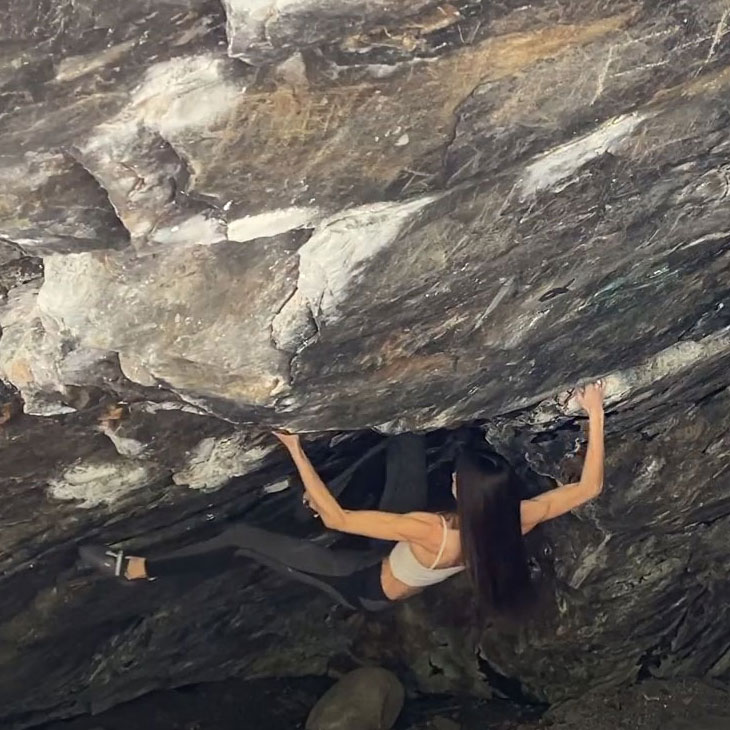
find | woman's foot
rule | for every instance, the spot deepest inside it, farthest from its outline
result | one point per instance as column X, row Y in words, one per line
column 113, row 562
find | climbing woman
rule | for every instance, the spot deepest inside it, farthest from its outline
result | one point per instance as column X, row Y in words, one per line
column 413, row 548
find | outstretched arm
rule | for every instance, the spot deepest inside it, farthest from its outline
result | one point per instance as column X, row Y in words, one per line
column 558, row 501
column 415, row 527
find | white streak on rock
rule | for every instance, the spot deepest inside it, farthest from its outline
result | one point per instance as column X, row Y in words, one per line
column 331, row 261
column 668, row 362
column 563, row 161
column 630, row 384
column 177, row 101
column 271, row 223
column 593, row 559
column 156, row 407
column 280, row 486
column 198, row 229
column 215, row 461
column 73, row 67
column 245, row 23
column 189, row 92
column 94, row 484
column 504, row 290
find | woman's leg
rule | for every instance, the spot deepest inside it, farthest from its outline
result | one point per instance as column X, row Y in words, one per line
column 259, row 544
column 406, row 490
column 339, row 574
column 359, row 590
column 337, row 588
column 214, row 560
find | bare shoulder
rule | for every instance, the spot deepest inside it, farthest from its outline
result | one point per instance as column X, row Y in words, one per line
column 427, row 518
column 434, row 529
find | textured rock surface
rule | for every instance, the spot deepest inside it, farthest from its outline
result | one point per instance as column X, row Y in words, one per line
column 672, row 704
column 220, row 217
column 369, row 698
column 676, row 705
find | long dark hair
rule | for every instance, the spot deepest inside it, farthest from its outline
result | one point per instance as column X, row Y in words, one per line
column 488, row 505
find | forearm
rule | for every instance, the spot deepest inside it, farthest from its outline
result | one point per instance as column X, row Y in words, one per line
column 319, row 495
column 592, row 476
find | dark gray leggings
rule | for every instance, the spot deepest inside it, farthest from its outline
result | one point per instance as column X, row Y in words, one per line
column 352, row 577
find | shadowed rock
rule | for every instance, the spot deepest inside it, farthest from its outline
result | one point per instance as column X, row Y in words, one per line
column 365, row 699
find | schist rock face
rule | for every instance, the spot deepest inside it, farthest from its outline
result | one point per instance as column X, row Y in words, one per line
column 337, row 217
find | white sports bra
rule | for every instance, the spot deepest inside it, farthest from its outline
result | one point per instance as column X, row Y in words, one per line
column 409, row 571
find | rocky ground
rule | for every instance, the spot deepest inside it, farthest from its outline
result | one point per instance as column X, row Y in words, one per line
column 285, row 704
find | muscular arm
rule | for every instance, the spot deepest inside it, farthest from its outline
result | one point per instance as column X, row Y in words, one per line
column 414, row 527
column 558, row 501
column 320, row 497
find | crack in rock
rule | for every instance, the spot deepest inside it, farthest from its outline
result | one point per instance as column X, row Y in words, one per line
column 331, row 262
column 135, row 156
